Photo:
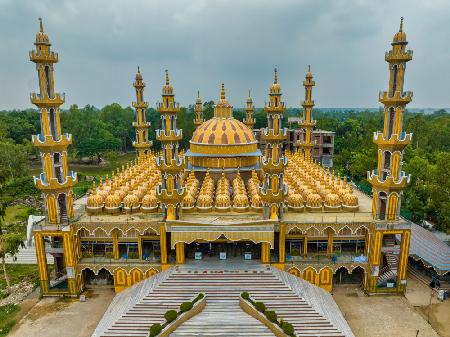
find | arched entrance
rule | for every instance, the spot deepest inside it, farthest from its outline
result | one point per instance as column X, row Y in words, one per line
column 102, row 278
column 343, row 276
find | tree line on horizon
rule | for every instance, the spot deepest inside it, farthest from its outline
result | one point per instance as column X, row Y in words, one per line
column 99, row 132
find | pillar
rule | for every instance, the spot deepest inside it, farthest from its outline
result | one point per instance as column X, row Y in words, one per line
column 374, row 261
column 265, row 252
column 305, row 246
column 282, row 244
column 403, row 261
column 115, row 245
column 140, row 247
column 179, row 249
column 163, row 243
column 69, row 260
column 42, row 262
column 330, row 243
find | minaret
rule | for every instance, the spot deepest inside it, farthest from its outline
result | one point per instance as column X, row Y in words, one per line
column 273, row 190
column 388, row 180
column 56, row 181
column 307, row 123
column 172, row 189
column 142, row 144
column 249, row 120
column 198, row 111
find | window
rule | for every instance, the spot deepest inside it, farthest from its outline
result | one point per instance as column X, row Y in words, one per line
column 394, row 80
column 52, row 118
column 47, row 81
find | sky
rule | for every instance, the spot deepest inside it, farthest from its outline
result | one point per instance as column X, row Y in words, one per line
column 205, row 42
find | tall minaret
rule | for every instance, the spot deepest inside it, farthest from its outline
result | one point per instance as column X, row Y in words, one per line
column 273, row 190
column 56, row 181
column 307, row 123
column 249, row 120
column 172, row 189
column 198, row 111
column 388, row 180
column 142, row 144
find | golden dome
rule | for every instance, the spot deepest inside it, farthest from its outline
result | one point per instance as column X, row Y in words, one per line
column 113, row 200
column 275, row 88
column 131, row 200
column 314, row 200
column 400, row 36
column 332, row 200
column 350, row 200
column 204, row 200
column 150, row 200
column 189, row 200
column 41, row 37
column 295, row 200
column 222, row 200
column 240, row 200
column 95, row 200
column 256, row 201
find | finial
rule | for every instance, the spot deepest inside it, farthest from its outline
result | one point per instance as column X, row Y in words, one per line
column 167, row 77
column 275, row 80
column 401, row 24
column 41, row 26
column 222, row 92
column 139, row 71
column 249, row 94
column 309, row 68
column 198, row 93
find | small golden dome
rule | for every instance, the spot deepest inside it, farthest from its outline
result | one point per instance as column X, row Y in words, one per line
column 350, row 200
column 240, row 200
column 95, row 200
column 400, row 36
column 295, row 200
column 41, row 37
column 222, row 200
column 256, row 201
column 275, row 87
column 332, row 200
column 138, row 75
column 150, row 200
column 313, row 200
column 113, row 200
column 131, row 200
column 189, row 200
column 204, row 200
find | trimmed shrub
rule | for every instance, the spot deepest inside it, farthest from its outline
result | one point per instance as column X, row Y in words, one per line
column 245, row 295
column 170, row 316
column 260, row 306
column 186, row 306
column 155, row 330
column 271, row 316
column 198, row 298
column 287, row 328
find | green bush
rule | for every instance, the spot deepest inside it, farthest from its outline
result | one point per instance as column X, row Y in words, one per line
column 170, row 316
column 155, row 330
column 245, row 295
column 198, row 298
column 287, row 328
column 186, row 306
column 271, row 316
column 260, row 306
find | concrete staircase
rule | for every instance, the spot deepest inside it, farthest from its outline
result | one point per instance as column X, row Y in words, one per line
column 142, row 305
column 390, row 270
column 27, row 255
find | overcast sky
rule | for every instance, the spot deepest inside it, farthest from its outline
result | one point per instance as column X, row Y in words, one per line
column 202, row 43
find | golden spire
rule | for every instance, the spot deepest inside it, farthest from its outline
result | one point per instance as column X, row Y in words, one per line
column 167, row 77
column 249, row 94
column 401, row 24
column 41, row 26
column 222, row 92
column 198, row 93
column 275, row 76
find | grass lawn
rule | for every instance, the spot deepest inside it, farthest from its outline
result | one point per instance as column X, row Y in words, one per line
column 7, row 321
column 18, row 273
column 16, row 213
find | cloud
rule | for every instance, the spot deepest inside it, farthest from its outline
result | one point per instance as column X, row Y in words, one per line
column 203, row 43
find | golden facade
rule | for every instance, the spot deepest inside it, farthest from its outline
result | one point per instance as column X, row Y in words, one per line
column 223, row 198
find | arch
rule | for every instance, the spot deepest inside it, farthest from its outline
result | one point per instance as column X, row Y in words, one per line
column 382, row 197
column 83, row 232
column 345, row 231
column 149, row 231
column 136, row 276
column 361, row 230
column 312, row 231
column 309, row 274
column 120, row 277
column 295, row 230
column 151, row 272
column 326, row 278
column 295, row 271
column 100, row 233
column 48, row 85
column 327, row 230
column 132, row 233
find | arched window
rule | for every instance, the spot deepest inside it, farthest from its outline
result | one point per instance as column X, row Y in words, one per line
column 394, row 80
column 47, row 81
column 62, row 205
column 276, row 101
column 382, row 197
column 391, row 122
column 52, row 118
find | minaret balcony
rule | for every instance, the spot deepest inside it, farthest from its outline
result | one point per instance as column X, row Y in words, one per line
column 271, row 166
column 280, row 108
column 307, row 125
column 170, row 108
column 305, row 145
column 270, row 136
column 309, row 83
column 172, row 166
column 139, row 105
column 308, row 104
column 141, row 124
column 47, row 143
column 399, row 56
column 169, row 136
column 40, row 57
column 43, row 101
column 250, row 121
column 399, row 98
column 395, row 141
column 269, row 196
column 390, row 182
column 53, row 184
column 174, row 197
column 142, row 145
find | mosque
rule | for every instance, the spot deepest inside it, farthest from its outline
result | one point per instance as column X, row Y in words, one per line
column 223, row 198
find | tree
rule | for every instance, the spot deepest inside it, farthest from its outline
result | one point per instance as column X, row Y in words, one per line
column 13, row 160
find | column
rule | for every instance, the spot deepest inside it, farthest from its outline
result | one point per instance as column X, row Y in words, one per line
column 69, row 260
column 403, row 261
column 282, row 244
column 305, row 246
column 163, row 243
column 140, row 247
column 42, row 262
column 115, row 245
column 265, row 252
column 330, row 243
column 179, row 249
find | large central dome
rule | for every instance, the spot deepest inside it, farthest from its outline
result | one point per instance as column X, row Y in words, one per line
column 223, row 142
